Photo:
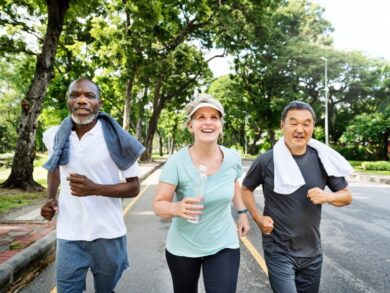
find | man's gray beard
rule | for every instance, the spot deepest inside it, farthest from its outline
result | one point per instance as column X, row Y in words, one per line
column 86, row 120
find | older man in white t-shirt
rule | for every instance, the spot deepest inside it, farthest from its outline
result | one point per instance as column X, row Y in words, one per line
column 90, row 228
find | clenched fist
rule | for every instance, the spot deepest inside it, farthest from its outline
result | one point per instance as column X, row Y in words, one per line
column 318, row 196
column 49, row 209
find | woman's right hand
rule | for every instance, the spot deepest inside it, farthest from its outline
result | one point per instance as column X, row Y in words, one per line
column 188, row 208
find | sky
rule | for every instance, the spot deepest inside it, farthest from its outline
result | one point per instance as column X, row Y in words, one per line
column 362, row 25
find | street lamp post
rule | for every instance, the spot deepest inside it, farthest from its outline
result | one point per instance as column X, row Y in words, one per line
column 245, row 132
column 326, row 101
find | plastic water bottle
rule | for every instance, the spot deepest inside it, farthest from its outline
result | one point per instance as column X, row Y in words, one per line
column 200, row 188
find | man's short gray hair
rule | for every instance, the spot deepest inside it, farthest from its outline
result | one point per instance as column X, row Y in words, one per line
column 298, row 105
column 84, row 79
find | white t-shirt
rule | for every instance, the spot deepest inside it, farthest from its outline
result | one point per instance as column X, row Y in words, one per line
column 90, row 217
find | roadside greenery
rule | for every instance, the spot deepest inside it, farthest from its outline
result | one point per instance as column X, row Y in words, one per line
column 369, row 167
column 369, row 135
column 15, row 198
column 377, row 166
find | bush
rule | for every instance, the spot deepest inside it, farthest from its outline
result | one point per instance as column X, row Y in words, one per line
column 356, row 153
column 376, row 166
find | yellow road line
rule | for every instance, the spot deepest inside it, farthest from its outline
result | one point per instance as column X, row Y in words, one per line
column 125, row 211
column 256, row 255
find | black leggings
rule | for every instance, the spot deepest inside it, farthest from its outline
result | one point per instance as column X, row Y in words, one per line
column 220, row 271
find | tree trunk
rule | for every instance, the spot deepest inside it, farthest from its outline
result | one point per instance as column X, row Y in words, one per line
column 253, row 146
column 174, row 131
column 128, row 98
column 141, row 112
column 147, row 155
column 23, row 162
column 252, row 149
column 129, row 82
column 173, row 146
column 138, row 129
column 385, row 151
column 158, row 103
column 169, row 143
column 126, row 110
column 160, row 144
column 271, row 135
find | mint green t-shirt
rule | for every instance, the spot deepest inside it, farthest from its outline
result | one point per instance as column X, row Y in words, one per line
column 217, row 229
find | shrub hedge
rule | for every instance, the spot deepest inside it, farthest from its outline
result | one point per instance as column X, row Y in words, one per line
column 376, row 166
column 357, row 153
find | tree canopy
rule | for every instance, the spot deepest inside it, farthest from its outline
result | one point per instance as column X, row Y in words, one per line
column 149, row 59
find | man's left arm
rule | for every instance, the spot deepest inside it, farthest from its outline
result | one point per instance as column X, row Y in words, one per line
column 81, row 185
column 338, row 198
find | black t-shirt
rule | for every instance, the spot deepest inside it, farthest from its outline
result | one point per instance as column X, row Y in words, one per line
column 296, row 218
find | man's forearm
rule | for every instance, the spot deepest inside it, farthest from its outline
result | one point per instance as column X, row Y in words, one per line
column 127, row 189
column 53, row 182
column 340, row 198
column 250, row 203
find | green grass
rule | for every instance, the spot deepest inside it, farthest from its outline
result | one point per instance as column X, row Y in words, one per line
column 357, row 166
column 39, row 175
column 40, row 159
column 12, row 198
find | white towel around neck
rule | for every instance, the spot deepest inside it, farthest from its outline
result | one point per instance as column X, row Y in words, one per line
column 288, row 177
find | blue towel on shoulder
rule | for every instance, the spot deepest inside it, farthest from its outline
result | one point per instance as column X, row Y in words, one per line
column 124, row 148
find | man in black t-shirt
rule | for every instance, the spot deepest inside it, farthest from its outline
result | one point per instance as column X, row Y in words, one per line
column 290, row 223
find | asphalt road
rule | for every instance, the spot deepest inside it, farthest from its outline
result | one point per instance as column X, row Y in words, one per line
column 355, row 243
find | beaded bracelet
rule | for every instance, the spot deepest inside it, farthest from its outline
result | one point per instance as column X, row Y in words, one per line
column 242, row 211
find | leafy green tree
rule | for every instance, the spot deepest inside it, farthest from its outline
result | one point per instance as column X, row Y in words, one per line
column 286, row 66
column 355, row 82
column 268, row 73
column 143, row 51
column 22, row 164
column 372, row 131
column 172, row 131
column 175, row 81
column 154, row 54
column 236, row 108
column 16, row 74
column 73, row 60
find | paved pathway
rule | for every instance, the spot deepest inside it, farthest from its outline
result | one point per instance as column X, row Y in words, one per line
column 27, row 240
column 16, row 236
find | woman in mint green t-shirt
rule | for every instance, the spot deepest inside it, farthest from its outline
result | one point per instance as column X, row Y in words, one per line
column 211, row 243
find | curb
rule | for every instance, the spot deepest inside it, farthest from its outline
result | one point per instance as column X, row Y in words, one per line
column 28, row 260
column 371, row 178
column 147, row 174
column 34, row 257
